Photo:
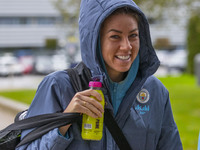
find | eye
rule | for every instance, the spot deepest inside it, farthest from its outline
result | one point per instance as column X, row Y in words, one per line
column 133, row 35
column 114, row 37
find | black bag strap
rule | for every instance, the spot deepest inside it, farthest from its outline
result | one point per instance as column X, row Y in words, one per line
column 115, row 131
column 80, row 76
column 42, row 123
column 111, row 124
column 45, row 123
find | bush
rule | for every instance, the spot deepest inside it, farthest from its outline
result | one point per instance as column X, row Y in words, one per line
column 193, row 40
column 51, row 44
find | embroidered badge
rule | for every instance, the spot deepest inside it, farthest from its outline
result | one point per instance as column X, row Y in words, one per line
column 143, row 96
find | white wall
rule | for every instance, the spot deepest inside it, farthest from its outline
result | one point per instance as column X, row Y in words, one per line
column 27, row 35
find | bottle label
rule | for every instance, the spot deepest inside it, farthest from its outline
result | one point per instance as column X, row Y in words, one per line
column 87, row 126
column 97, row 123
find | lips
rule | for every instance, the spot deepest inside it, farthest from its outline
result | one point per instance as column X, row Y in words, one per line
column 123, row 57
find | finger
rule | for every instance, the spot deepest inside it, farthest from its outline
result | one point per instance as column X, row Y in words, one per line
column 93, row 109
column 92, row 103
column 88, row 112
column 84, row 104
column 91, row 92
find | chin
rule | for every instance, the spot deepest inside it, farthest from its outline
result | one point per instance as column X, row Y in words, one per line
column 124, row 69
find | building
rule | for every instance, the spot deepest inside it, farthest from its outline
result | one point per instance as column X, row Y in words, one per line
column 26, row 24
column 170, row 31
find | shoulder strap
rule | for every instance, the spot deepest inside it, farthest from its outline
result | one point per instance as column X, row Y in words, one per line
column 80, row 77
column 42, row 123
column 115, row 131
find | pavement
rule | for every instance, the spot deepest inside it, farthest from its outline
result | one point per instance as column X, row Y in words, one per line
column 8, row 110
column 20, row 82
column 8, row 107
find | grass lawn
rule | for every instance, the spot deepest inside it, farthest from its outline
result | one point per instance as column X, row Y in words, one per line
column 185, row 101
column 24, row 96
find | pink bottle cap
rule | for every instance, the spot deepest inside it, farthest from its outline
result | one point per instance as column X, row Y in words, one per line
column 95, row 84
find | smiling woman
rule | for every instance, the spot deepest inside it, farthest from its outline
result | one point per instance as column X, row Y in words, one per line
column 116, row 48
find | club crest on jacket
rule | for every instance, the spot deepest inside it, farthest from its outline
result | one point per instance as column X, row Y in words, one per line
column 143, row 96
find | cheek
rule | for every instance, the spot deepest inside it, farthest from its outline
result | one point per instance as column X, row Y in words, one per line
column 107, row 49
column 137, row 50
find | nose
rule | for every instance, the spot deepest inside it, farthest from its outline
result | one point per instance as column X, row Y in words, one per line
column 125, row 44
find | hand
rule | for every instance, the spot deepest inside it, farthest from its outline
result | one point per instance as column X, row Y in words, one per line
column 82, row 102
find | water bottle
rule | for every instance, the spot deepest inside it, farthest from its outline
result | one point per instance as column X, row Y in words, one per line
column 92, row 128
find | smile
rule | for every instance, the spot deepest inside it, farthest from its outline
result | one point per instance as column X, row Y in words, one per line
column 123, row 57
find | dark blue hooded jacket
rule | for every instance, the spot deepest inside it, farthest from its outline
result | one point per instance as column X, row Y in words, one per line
column 144, row 115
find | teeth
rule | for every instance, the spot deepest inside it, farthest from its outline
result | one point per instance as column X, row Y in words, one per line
column 123, row 57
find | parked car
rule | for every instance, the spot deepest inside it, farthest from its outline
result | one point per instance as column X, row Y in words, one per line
column 59, row 62
column 9, row 65
column 178, row 60
column 43, row 64
column 27, row 63
column 173, row 59
column 163, row 57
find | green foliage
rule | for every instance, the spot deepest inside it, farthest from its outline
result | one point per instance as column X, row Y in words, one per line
column 155, row 8
column 155, row 3
column 51, row 44
column 69, row 10
column 162, row 43
column 193, row 40
column 164, row 3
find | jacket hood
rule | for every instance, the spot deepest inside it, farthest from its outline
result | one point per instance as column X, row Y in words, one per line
column 92, row 14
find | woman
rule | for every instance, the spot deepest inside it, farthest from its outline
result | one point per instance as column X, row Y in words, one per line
column 116, row 47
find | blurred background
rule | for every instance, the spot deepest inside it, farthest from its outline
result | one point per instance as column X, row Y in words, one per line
column 38, row 37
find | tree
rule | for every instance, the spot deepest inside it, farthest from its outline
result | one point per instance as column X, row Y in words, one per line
column 69, row 10
column 193, row 40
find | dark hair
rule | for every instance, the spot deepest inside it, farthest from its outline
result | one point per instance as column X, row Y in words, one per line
column 126, row 10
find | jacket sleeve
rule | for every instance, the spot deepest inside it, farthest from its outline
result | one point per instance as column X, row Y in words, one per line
column 199, row 142
column 169, row 138
column 52, row 96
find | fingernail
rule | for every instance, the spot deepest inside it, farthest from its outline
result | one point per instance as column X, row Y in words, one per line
column 100, row 115
column 100, row 98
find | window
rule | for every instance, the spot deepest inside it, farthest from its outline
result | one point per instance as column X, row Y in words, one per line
column 28, row 20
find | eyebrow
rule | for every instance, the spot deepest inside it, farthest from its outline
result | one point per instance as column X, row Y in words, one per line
column 114, row 30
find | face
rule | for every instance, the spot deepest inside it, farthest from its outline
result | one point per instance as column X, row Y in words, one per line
column 120, row 44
